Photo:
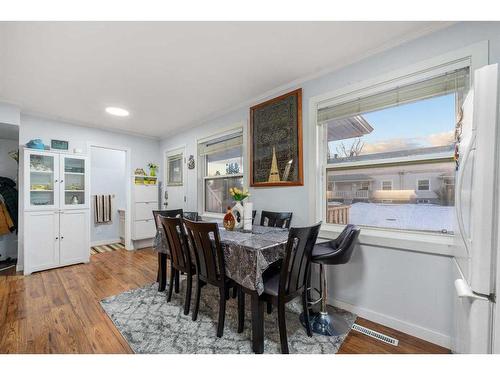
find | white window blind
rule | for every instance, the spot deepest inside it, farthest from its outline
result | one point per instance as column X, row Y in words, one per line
column 452, row 82
column 220, row 144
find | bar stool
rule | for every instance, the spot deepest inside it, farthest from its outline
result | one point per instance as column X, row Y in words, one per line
column 338, row 251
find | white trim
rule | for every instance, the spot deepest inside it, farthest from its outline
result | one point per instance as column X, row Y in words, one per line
column 128, row 191
column 477, row 56
column 423, row 333
column 428, row 183
column 105, row 242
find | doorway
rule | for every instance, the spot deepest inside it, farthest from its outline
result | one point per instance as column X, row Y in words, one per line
column 110, row 199
column 9, row 196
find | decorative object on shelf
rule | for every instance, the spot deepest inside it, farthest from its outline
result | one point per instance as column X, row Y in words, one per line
column 36, row 144
column 276, row 141
column 57, row 144
column 74, row 200
column 247, row 216
column 14, row 155
column 152, row 169
column 239, row 196
column 140, row 172
column 191, row 163
column 229, row 220
column 75, row 187
column 40, row 187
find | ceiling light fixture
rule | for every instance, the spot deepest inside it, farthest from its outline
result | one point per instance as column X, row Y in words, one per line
column 116, row 111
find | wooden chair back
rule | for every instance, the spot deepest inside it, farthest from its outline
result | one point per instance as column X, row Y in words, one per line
column 276, row 219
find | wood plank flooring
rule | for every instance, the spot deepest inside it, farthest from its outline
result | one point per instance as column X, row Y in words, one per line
column 58, row 311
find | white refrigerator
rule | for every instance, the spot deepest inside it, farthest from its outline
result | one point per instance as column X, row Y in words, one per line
column 477, row 228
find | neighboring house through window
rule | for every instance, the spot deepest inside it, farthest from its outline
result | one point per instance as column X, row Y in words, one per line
column 387, row 185
column 423, row 185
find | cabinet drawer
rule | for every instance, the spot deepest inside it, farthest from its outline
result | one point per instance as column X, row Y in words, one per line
column 146, row 193
column 144, row 229
column 144, row 210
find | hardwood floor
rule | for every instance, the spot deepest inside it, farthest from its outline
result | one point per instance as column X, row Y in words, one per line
column 58, row 311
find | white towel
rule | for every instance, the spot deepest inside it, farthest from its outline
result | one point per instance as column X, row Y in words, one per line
column 102, row 208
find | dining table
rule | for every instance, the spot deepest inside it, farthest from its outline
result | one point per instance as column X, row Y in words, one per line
column 247, row 255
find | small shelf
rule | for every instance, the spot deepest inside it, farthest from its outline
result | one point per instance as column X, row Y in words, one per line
column 74, row 191
column 41, row 172
column 75, row 173
column 142, row 176
column 41, row 191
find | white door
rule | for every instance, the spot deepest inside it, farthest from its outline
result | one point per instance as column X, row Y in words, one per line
column 74, row 182
column 476, row 215
column 74, row 237
column 41, row 180
column 174, row 196
column 41, row 240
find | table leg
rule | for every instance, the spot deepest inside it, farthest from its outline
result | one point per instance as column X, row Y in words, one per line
column 257, row 324
column 162, row 271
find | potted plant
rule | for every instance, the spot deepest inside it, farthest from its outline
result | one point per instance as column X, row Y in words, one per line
column 152, row 169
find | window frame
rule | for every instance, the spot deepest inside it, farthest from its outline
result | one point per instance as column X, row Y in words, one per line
column 175, row 157
column 428, row 184
column 202, row 170
column 473, row 57
column 382, row 185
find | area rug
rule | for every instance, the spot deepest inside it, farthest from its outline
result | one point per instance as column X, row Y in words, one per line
column 151, row 325
column 106, row 248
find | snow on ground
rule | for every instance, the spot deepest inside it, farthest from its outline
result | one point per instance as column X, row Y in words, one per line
column 427, row 217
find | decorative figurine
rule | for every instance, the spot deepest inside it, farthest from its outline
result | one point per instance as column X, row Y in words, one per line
column 229, row 220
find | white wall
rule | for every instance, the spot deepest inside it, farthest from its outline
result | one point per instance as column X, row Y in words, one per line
column 403, row 289
column 108, row 176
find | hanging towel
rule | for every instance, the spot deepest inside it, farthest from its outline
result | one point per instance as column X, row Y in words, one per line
column 102, row 208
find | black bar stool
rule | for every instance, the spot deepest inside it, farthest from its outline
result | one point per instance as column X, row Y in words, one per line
column 338, row 251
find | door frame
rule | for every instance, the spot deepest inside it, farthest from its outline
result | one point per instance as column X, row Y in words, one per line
column 128, row 191
column 169, row 152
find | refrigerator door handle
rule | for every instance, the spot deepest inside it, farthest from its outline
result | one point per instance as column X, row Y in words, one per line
column 464, row 290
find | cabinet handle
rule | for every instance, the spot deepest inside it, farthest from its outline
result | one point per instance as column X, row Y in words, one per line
column 57, row 238
column 61, row 181
column 55, row 180
column 62, row 237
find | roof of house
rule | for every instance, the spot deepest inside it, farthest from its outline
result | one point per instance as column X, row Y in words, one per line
column 351, row 127
column 350, row 178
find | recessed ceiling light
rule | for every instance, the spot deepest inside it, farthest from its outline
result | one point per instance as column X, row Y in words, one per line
column 116, row 111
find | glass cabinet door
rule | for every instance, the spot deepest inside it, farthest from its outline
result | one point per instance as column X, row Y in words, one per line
column 74, row 182
column 42, row 183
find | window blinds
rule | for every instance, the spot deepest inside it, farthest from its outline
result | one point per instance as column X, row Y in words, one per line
column 220, row 144
column 452, row 82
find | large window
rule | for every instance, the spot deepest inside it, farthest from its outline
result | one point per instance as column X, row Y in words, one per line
column 223, row 169
column 389, row 161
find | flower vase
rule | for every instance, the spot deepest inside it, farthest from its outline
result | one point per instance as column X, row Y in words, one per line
column 152, row 172
column 237, row 211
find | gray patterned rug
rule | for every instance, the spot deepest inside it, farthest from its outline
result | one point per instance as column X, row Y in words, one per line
column 151, row 325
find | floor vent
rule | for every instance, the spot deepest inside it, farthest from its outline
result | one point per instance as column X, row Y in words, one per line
column 375, row 334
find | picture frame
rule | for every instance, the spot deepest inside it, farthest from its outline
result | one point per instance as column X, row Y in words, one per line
column 57, row 144
column 275, row 148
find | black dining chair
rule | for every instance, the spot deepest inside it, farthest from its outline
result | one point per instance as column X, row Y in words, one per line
column 290, row 280
column 337, row 251
column 254, row 212
column 180, row 256
column 162, row 258
column 192, row 215
column 211, row 269
column 276, row 219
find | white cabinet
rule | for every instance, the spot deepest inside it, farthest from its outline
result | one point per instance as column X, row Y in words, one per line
column 73, row 237
column 145, row 201
column 55, row 181
column 56, row 209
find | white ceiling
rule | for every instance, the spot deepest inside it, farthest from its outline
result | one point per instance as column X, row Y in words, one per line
column 173, row 75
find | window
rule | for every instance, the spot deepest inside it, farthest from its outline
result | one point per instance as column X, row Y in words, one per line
column 387, row 185
column 383, row 151
column 423, row 185
column 174, row 170
column 222, row 161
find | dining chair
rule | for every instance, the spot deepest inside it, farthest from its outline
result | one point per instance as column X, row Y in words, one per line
column 276, row 219
column 163, row 257
column 210, row 269
column 191, row 215
column 290, row 280
column 180, row 256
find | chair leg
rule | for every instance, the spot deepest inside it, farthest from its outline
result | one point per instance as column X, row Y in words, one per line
column 269, row 308
column 282, row 328
column 171, row 283
column 197, row 300
column 307, row 322
column 235, row 292
column 187, row 300
column 222, row 312
column 177, row 281
column 241, row 309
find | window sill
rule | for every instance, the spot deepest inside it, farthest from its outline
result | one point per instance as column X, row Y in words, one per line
column 430, row 243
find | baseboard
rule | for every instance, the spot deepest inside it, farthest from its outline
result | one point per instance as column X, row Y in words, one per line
column 141, row 244
column 19, row 267
column 105, row 242
column 394, row 323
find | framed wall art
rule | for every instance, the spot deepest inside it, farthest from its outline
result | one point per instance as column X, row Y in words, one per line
column 276, row 141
